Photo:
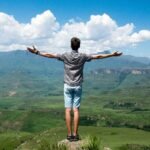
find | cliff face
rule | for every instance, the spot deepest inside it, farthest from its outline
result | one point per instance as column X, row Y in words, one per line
column 138, row 71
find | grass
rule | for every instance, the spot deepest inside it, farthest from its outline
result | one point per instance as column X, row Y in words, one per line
column 10, row 140
column 93, row 143
column 113, row 138
column 38, row 108
column 39, row 119
column 45, row 145
column 134, row 147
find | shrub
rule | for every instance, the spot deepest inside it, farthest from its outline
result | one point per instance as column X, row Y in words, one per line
column 92, row 144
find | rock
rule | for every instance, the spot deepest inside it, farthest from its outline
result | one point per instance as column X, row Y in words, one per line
column 107, row 148
column 72, row 145
column 77, row 145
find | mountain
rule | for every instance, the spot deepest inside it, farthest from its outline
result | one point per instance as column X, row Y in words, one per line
column 144, row 60
column 24, row 74
column 25, row 61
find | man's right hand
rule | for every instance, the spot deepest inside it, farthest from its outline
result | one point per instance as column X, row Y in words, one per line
column 32, row 50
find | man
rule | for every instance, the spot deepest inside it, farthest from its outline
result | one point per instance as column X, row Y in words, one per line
column 73, row 78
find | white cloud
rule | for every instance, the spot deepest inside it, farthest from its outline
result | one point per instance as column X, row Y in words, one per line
column 100, row 27
column 140, row 36
column 42, row 26
column 9, row 29
column 99, row 33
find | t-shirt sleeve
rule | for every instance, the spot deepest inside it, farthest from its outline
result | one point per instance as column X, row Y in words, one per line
column 88, row 57
column 60, row 57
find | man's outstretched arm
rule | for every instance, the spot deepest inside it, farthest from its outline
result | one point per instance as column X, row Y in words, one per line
column 37, row 52
column 101, row 56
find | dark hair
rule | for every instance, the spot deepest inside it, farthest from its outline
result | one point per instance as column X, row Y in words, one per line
column 75, row 43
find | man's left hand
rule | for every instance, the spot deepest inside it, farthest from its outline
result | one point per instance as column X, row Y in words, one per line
column 116, row 53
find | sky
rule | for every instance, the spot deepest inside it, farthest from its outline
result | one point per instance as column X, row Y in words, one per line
column 122, row 25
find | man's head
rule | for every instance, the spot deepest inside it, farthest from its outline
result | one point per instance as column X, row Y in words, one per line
column 75, row 43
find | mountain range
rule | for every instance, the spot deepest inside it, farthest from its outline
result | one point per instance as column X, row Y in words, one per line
column 25, row 61
column 23, row 72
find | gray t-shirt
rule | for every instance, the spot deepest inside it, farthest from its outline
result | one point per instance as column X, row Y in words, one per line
column 73, row 66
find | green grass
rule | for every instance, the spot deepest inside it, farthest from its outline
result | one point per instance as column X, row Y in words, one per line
column 31, row 120
column 41, row 120
column 107, row 137
column 134, row 147
column 36, row 118
column 93, row 143
column 10, row 140
column 38, row 106
column 115, row 137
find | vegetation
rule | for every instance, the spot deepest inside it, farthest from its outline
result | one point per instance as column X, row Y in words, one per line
column 93, row 143
column 113, row 138
column 115, row 105
column 47, row 146
column 134, row 147
column 10, row 140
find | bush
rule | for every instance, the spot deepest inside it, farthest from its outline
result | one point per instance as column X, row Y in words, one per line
column 92, row 144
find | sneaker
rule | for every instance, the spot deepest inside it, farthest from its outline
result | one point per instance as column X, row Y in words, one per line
column 75, row 138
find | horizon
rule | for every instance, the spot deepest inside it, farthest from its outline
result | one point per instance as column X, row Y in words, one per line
column 95, row 53
column 114, row 25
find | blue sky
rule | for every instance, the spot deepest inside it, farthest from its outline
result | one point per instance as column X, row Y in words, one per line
column 122, row 12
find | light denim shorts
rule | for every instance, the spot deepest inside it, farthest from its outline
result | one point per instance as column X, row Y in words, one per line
column 72, row 96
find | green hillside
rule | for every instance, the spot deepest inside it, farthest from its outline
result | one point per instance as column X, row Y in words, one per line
column 116, row 100
column 114, row 138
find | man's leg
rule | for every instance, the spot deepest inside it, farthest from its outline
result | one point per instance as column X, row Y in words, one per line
column 68, row 105
column 68, row 120
column 76, row 105
column 76, row 121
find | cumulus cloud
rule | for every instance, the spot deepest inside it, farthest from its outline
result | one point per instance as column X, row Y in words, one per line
column 15, row 35
column 99, row 33
column 9, row 29
column 41, row 26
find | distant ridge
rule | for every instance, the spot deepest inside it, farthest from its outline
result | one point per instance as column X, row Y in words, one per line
column 24, row 60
